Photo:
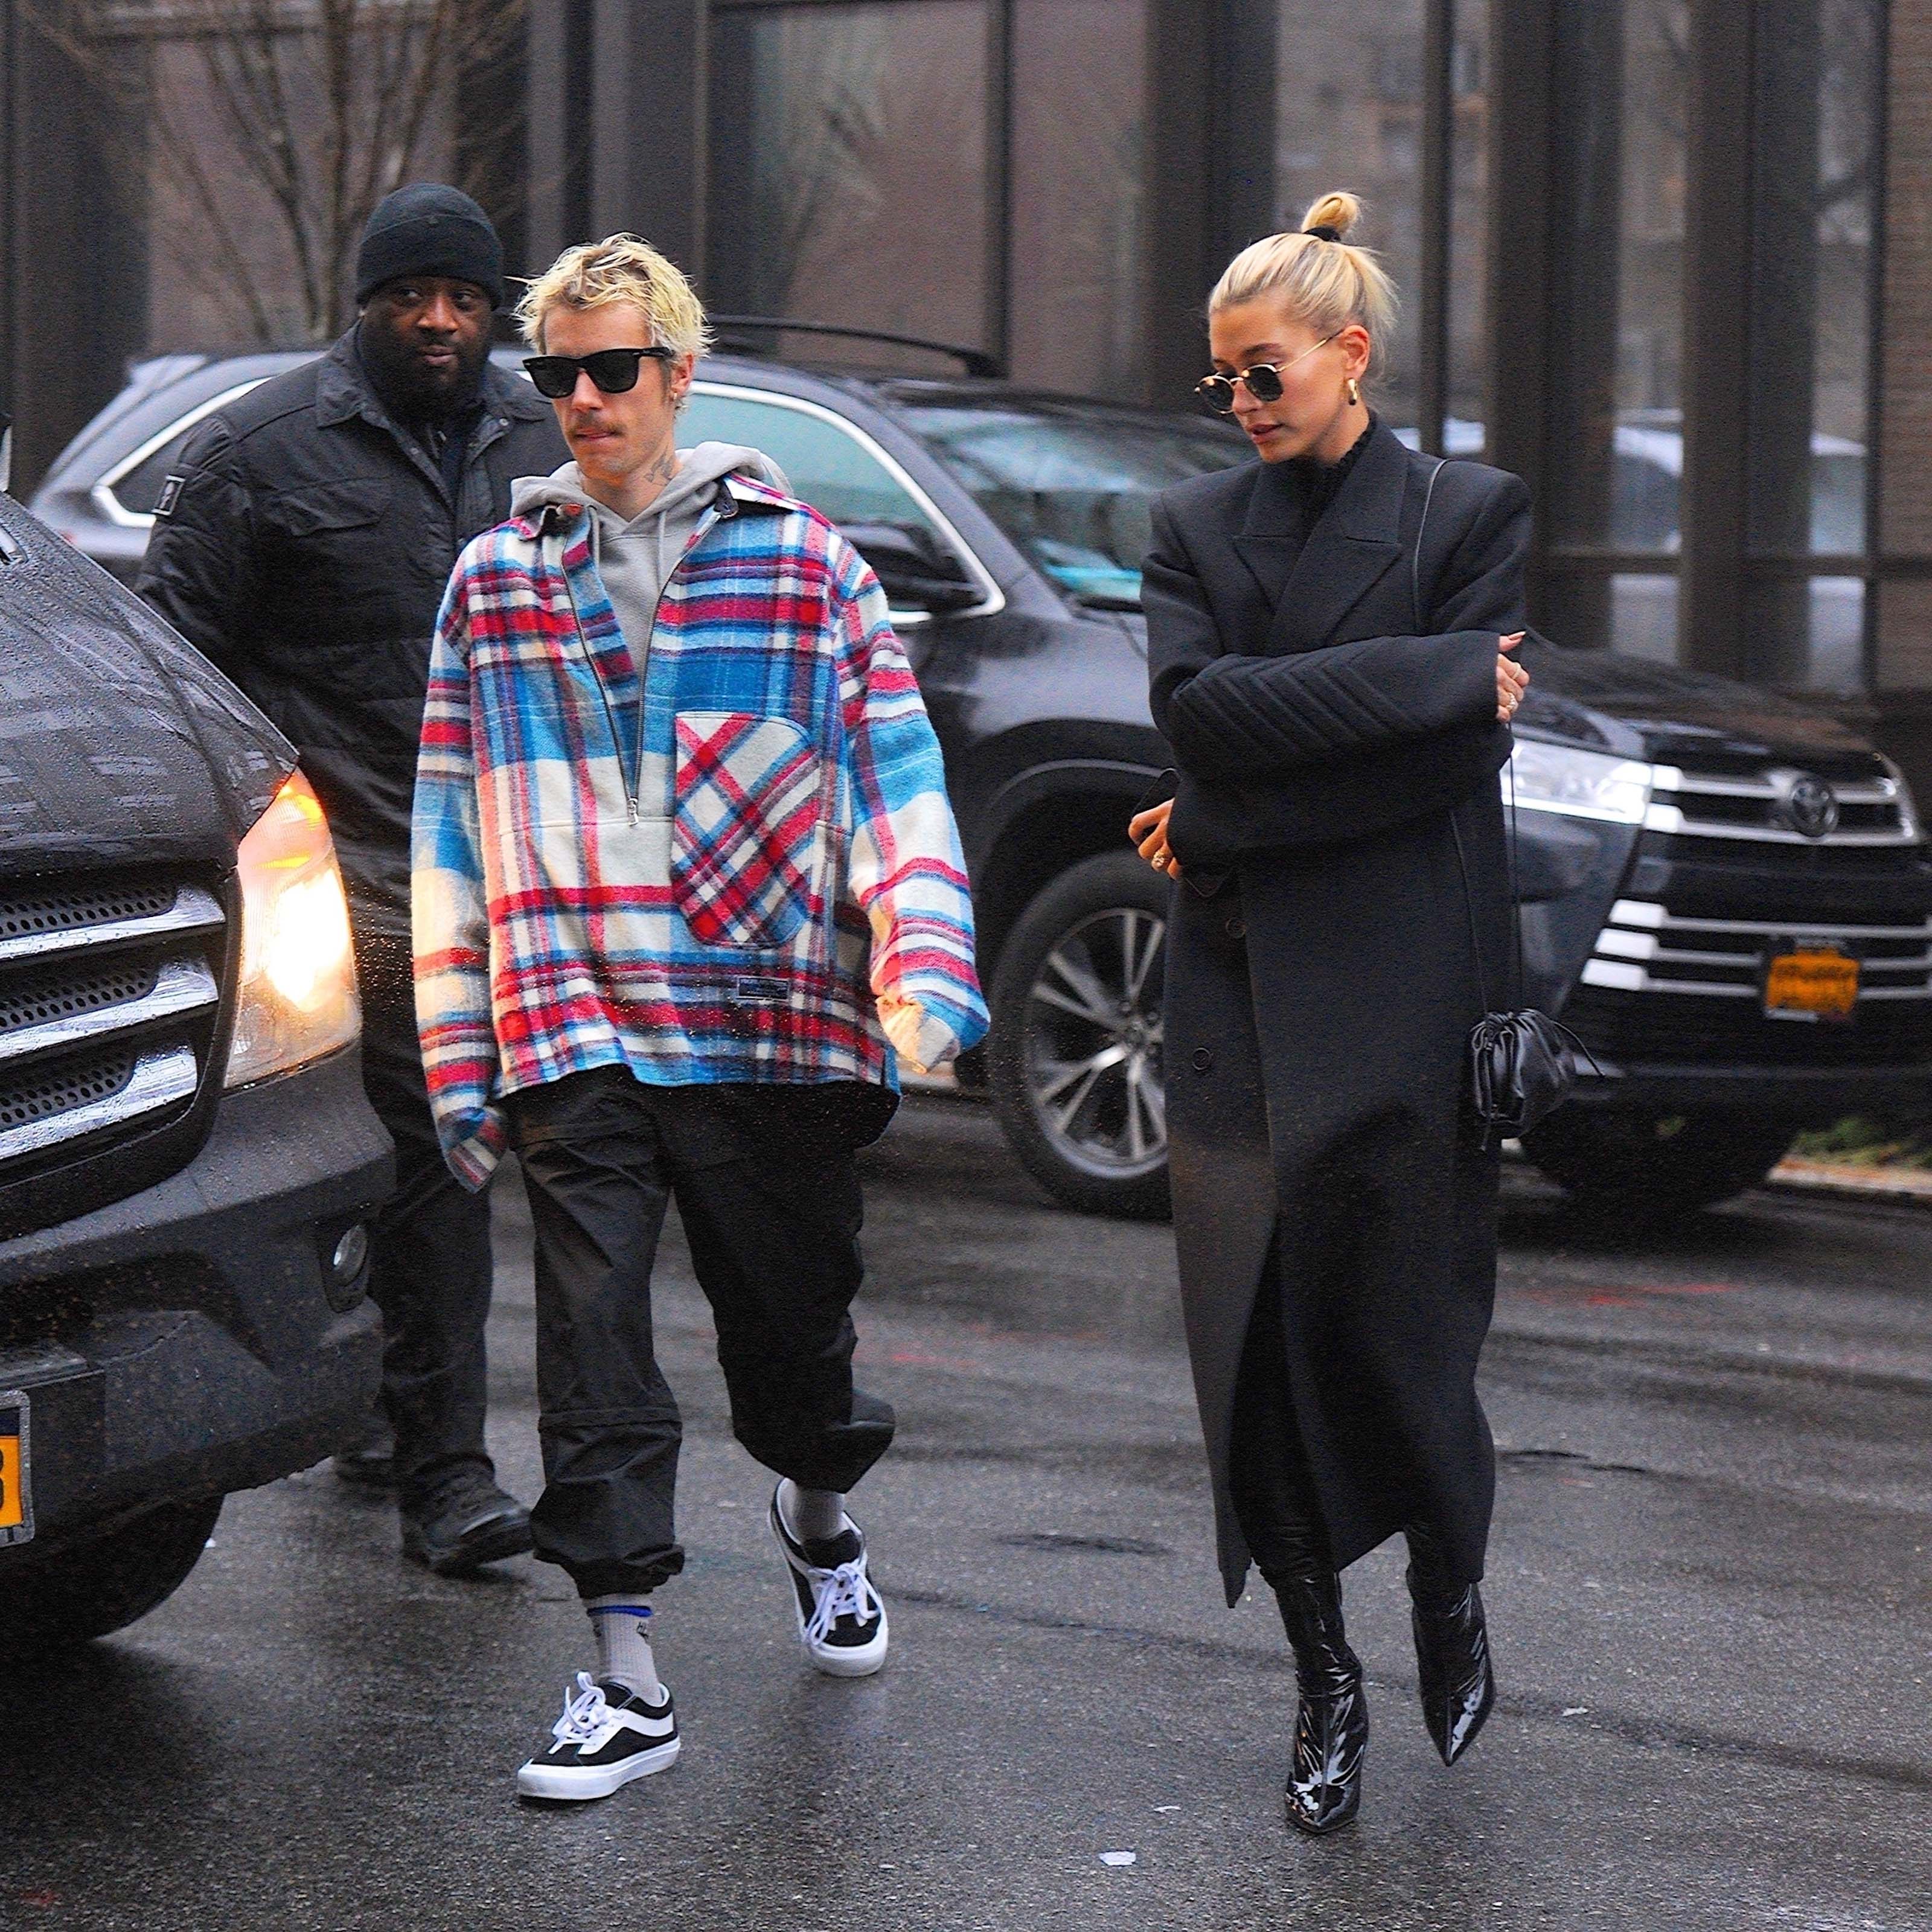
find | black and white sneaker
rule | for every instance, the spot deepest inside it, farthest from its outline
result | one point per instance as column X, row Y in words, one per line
column 606, row 1736
column 842, row 1619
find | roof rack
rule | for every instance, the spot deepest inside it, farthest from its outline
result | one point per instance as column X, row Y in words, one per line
column 974, row 361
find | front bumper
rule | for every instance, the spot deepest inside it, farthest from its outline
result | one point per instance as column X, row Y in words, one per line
column 191, row 1339
column 1806, row 1096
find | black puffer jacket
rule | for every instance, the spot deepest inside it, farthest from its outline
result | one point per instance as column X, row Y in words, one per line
column 304, row 549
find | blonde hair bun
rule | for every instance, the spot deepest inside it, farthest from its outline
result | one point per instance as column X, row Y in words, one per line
column 1327, row 285
column 1336, row 211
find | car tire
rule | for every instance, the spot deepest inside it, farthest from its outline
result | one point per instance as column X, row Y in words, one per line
column 65, row 1596
column 1074, row 1055
column 1648, row 1167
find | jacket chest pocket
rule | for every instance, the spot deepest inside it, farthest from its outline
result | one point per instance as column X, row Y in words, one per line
column 340, row 542
column 745, row 831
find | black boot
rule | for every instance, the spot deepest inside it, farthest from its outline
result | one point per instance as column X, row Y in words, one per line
column 1331, row 1727
column 1452, row 1652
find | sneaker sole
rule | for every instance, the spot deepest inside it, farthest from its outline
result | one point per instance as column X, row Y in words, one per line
column 512, row 1539
column 858, row 1660
column 561, row 1787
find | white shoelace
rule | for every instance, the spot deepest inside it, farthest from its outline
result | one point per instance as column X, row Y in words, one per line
column 844, row 1592
column 584, row 1715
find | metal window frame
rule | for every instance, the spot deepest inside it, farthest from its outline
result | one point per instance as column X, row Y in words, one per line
column 102, row 495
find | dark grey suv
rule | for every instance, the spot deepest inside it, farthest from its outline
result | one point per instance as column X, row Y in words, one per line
column 187, row 1159
column 1742, row 964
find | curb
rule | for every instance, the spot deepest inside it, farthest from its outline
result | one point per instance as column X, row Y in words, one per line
column 1909, row 1186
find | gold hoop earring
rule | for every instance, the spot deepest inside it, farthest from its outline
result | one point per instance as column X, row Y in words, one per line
column 1355, row 393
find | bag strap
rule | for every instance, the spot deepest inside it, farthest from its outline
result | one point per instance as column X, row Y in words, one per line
column 1461, row 862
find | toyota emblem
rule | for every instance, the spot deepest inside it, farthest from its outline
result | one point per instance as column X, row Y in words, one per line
column 1812, row 806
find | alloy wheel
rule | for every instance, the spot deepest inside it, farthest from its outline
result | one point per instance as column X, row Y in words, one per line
column 1093, row 1044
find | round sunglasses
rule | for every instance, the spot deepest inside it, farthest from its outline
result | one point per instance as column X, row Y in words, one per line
column 1263, row 380
column 613, row 371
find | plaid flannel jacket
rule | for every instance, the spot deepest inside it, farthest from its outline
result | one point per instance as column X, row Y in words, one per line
column 741, row 865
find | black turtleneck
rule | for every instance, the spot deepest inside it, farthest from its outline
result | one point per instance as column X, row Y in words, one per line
column 1315, row 484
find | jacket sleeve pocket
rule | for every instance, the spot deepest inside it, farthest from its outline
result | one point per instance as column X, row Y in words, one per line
column 745, row 831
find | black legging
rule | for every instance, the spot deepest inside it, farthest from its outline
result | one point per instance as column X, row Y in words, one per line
column 1268, row 1477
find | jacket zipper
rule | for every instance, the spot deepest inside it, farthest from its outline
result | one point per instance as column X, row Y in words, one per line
column 631, row 786
column 633, row 779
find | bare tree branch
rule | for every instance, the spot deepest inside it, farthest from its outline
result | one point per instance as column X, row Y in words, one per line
column 306, row 113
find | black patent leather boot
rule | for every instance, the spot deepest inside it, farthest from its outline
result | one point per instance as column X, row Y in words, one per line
column 1452, row 1654
column 1331, row 1727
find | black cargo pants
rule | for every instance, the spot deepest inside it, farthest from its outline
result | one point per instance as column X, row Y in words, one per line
column 767, row 1188
column 430, row 1269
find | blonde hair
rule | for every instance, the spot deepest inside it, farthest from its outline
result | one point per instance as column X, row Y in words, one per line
column 619, row 269
column 1326, row 285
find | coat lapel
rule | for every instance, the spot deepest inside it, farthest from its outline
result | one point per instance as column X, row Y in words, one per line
column 1357, row 539
column 1269, row 537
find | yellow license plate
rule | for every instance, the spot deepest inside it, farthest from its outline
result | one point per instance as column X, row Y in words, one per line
column 1817, row 982
column 17, row 1491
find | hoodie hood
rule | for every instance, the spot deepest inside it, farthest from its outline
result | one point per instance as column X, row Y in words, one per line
column 633, row 559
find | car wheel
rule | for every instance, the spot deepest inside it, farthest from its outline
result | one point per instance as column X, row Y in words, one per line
column 66, row 1595
column 1650, row 1166
column 1074, row 1056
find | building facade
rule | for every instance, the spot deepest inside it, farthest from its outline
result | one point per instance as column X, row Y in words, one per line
column 1670, row 260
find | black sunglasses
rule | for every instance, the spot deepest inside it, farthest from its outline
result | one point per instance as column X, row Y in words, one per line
column 1263, row 378
column 614, row 370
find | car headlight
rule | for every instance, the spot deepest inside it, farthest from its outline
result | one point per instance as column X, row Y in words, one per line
column 1908, row 812
column 1579, row 783
column 297, row 997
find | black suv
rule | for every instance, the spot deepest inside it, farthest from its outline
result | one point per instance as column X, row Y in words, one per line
column 1727, row 895
column 186, row 1156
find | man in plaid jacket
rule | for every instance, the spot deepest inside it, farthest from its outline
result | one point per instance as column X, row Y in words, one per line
column 687, row 886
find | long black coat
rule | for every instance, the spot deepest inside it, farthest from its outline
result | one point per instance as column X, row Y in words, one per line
column 1323, row 965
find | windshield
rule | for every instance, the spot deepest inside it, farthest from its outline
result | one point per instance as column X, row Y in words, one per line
column 1070, row 482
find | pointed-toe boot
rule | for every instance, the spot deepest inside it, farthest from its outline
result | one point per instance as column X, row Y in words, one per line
column 1452, row 1659
column 1331, row 1726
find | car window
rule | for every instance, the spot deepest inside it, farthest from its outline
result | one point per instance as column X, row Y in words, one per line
column 1071, row 485
column 825, row 466
column 139, row 491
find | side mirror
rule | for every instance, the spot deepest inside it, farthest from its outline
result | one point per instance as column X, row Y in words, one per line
column 916, row 571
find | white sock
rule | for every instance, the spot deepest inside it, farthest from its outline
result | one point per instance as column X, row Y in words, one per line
column 811, row 1515
column 622, row 1625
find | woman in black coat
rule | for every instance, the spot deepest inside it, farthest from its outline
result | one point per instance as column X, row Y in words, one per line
column 1328, row 638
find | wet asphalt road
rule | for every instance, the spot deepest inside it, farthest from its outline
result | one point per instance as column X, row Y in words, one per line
column 1709, row 1591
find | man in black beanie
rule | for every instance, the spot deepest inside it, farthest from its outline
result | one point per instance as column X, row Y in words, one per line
column 303, row 545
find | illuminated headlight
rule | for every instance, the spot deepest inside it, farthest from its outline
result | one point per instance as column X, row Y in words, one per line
column 1579, row 783
column 1908, row 812
column 297, row 998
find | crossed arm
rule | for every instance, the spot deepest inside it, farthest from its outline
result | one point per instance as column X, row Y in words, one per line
column 1341, row 741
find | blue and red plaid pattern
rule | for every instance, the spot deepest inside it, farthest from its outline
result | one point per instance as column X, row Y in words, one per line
column 740, row 866
column 749, row 800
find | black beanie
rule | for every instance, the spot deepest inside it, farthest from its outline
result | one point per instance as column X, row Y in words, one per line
column 428, row 229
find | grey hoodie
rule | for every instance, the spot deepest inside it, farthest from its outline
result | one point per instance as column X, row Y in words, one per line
column 632, row 560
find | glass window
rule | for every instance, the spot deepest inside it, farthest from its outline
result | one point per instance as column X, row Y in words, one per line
column 1349, row 115
column 1616, row 399
column 825, row 466
column 1077, row 166
column 1813, row 195
column 849, row 176
column 1814, row 201
column 140, row 489
column 1072, row 486
column 1469, row 227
